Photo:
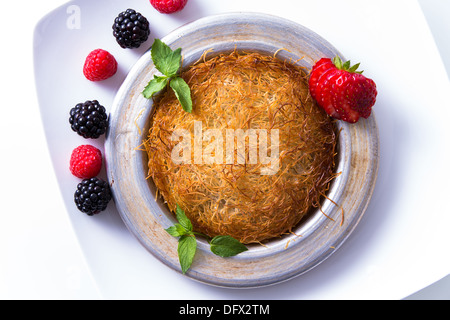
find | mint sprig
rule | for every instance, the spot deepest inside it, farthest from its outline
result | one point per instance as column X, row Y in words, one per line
column 223, row 246
column 168, row 62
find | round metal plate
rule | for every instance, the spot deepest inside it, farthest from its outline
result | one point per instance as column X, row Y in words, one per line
column 321, row 234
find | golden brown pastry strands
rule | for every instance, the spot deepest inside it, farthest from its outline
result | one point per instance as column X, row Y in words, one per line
column 245, row 91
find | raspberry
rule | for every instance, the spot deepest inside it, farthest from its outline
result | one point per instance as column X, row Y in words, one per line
column 92, row 196
column 86, row 162
column 131, row 29
column 100, row 65
column 168, row 6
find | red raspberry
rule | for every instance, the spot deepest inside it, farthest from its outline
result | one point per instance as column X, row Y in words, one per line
column 168, row 6
column 100, row 65
column 86, row 162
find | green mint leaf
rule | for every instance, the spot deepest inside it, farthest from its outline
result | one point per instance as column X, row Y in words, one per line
column 183, row 219
column 166, row 61
column 174, row 63
column 187, row 246
column 183, row 93
column 154, row 86
column 177, row 230
column 226, row 246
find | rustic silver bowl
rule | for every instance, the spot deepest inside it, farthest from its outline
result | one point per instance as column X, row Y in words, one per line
column 281, row 259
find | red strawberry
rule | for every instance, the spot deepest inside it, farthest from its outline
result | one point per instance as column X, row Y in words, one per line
column 317, row 70
column 341, row 91
column 99, row 65
column 168, row 6
column 85, row 162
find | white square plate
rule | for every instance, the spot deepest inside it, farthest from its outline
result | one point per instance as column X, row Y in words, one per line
column 400, row 245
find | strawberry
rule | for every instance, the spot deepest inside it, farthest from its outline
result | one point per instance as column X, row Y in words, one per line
column 342, row 91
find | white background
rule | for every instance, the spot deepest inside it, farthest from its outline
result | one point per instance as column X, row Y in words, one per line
column 40, row 257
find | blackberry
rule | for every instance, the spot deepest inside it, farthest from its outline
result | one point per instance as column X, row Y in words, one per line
column 89, row 119
column 92, row 196
column 131, row 29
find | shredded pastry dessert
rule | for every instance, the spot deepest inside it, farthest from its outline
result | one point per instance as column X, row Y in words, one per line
column 255, row 155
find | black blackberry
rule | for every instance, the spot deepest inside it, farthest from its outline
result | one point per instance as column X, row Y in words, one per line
column 89, row 119
column 92, row 196
column 131, row 29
